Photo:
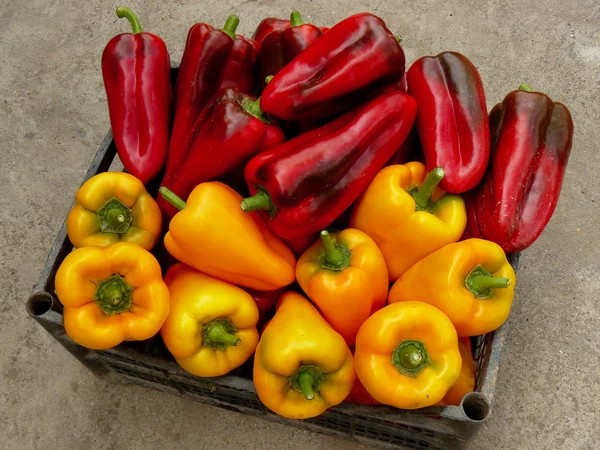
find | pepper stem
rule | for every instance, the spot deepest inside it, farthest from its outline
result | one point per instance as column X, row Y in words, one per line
column 261, row 201
column 219, row 334
column 481, row 282
column 410, row 357
column 114, row 217
column 525, row 87
column 253, row 108
column 307, row 380
column 336, row 256
column 113, row 295
column 296, row 19
column 422, row 195
column 172, row 198
column 268, row 79
column 231, row 25
column 124, row 11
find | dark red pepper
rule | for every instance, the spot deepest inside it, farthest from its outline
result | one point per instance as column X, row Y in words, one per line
column 472, row 228
column 229, row 131
column 355, row 60
column 212, row 60
column 307, row 182
column 299, row 245
column 265, row 300
column 136, row 69
column 452, row 118
column 267, row 26
column 531, row 144
column 280, row 47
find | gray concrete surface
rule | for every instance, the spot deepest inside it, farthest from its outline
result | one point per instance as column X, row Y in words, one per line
column 53, row 116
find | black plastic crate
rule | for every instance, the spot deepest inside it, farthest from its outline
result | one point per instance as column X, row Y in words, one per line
column 148, row 364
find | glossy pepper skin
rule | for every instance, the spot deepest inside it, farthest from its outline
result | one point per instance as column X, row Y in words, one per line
column 531, row 141
column 211, row 328
column 301, row 366
column 407, row 355
column 229, row 131
column 407, row 216
column 268, row 26
column 355, row 60
column 213, row 59
column 472, row 228
column 466, row 378
column 111, row 207
column 452, row 118
column 281, row 46
column 470, row 281
column 345, row 276
column 111, row 294
column 214, row 236
column 136, row 69
column 307, row 182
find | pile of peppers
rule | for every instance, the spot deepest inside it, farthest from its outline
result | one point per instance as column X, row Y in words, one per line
column 338, row 216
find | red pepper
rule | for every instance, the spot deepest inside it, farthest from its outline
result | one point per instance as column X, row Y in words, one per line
column 299, row 245
column 452, row 118
column 307, row 182
column 531, row 142
column 265, row 300
column 230, row 130
column 355, row 60
column 280, row 47
column 136, row 69
column 212, row 60
column 472, row 228
column 360, row 395
column 268, row 26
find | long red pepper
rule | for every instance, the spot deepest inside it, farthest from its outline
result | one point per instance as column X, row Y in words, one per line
column 212, row 60
column 268, row 26
column 532, row 138
column 355, row 60
column 136, row 70
column 307, row 182
column 452, row 118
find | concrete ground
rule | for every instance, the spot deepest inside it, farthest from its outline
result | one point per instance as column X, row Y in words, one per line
column 53, row 116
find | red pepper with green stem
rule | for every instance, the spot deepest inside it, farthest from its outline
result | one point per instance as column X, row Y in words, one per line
column 354, row 61
column 230, row 130
column 212, row 60
column 136, row 69
column 268, row 26
column 531, row 143
column 452, row 118
column 306, row 183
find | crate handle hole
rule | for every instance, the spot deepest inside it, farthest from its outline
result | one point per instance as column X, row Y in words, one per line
column 39, row 304
column 475, row 406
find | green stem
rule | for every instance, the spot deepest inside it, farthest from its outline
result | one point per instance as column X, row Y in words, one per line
column 410, row 357
column 307, row 380
column 172, row 198
column 261, row 201
column 336, row 256
column 253, row 108
column 114, row 217
column 423, row 194
column 481, row 282
column 113, row 295
column 231, row 25
column 525, row 87
column 399, row 39
column 296, row 19
column 124, row 11
column 219, row 334
column 268, row 79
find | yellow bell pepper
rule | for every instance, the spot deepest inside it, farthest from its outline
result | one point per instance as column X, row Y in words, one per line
column 211, row 328
column 301, row 366
column 111, row 294
column 112, row 207
column 344, row 274
column 470, row 281
column 408, row 216
column 407, row 355
column 212, row 234
column 466, row 379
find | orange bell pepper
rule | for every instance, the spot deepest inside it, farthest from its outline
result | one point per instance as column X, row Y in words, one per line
column 466, row 379
column 111, row 294
column 407, row 355
column 345, row 275
column 112, row 207
column 212, row 234
column 470, row 281
column 211, row 328
column 301, row 366
column 408, row 216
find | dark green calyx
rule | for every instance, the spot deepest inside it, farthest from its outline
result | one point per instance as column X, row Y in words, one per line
column 481, row 282
column 410, row 357
column 113, row 295
column 219, row 334
column 422, row 195
column 115, row 217
column 253, row 108
column 296, row 19
column 336, row 256
column 261, row 201
column 231, row 25
column 307, row 380
column 525, row 87
column 124, row 11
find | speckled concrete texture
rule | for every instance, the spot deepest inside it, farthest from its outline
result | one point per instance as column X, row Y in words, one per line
column 53, row 116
